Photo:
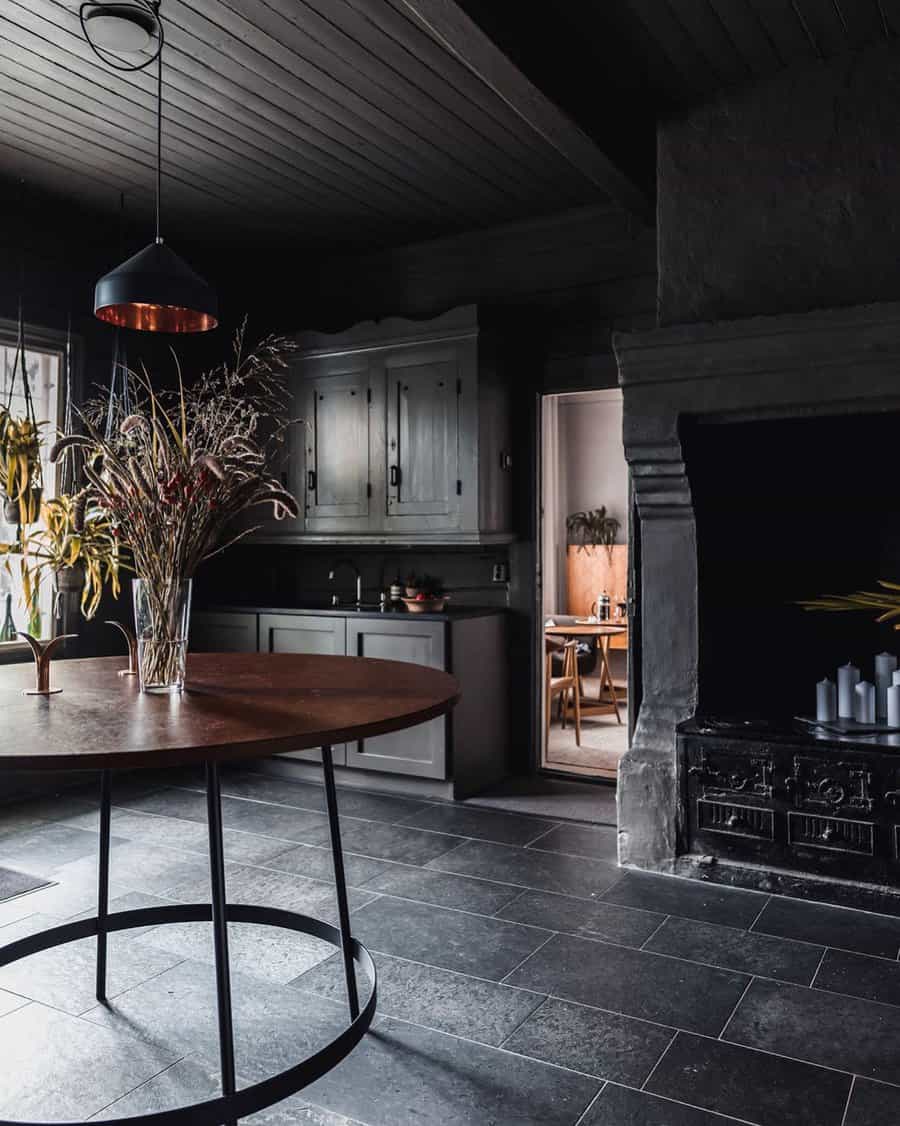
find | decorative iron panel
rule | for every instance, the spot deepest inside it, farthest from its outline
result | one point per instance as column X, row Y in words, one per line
column 831, row 786
column 720, row 774
column 737, row 820
column 836, row 833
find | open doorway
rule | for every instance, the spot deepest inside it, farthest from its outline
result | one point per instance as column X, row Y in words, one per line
column 584, row 637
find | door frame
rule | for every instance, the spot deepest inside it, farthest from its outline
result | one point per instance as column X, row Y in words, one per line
column 537, row 639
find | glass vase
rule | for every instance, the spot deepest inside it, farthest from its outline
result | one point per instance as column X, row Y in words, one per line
column 161, row 617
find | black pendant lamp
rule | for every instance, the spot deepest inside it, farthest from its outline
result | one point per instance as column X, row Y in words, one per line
column 155, row 290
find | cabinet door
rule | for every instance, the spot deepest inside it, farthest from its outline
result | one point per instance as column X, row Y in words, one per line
column 420, row 751
column 223, row 632
column 423, row 390
column 337, row 454
column 304, row 633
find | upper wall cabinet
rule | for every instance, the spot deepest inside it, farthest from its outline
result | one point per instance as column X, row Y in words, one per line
column 335, row 394
column 404, row 435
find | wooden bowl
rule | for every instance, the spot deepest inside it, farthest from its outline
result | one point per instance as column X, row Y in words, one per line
column 425, row 605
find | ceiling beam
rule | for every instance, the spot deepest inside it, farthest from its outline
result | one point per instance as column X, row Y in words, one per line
column 462, row 37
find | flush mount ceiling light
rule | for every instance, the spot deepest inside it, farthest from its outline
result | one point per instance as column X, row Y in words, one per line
column 154, row 290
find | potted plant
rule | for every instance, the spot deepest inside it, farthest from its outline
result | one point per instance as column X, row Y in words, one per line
column 171, row 477
column 593, row 528
column 595, row 563
column 20, row 468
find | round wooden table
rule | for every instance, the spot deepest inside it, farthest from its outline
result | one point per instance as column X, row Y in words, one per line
column 235, row 706
column 601, row 632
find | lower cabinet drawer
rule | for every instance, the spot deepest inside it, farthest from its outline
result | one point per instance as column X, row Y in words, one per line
column 736, row 820
column 836, row 833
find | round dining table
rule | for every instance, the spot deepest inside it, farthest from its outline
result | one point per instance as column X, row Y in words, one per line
column 235, row 707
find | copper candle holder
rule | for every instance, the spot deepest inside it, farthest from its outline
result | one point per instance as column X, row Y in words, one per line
column 43, row 652
column 132, row 669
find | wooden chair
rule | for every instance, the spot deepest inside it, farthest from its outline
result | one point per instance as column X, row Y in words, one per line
column 561, row 686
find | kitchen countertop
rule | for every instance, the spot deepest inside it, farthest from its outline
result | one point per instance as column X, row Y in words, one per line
column 451, row 614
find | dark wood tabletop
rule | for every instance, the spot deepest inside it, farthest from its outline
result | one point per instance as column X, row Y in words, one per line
column 235, row 706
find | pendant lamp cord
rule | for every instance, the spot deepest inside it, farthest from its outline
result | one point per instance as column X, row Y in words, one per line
column 159, row 124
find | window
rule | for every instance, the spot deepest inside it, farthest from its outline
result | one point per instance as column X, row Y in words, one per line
column 44, row 367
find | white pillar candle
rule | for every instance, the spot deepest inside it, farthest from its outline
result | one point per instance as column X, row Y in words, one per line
column 893, row 705
column 885, row 666
column 848, row 678
column 826, row 700
column 864, row 697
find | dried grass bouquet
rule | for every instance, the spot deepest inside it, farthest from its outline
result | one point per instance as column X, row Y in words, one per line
column 173, row 474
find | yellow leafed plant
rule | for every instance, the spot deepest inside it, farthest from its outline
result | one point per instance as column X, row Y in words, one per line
column 886, row 601
column 73, row 534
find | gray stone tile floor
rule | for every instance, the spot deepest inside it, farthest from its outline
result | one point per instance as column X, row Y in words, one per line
column 525, row 980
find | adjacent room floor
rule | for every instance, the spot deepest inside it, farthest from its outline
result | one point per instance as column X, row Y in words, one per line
column 524, row 979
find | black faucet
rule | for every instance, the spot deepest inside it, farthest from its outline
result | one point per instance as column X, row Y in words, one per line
column 346, row 563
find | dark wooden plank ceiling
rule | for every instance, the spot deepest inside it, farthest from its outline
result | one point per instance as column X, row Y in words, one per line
column 616, row 66
column 314, row 123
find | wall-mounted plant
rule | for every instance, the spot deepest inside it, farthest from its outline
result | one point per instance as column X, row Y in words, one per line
column 593, row 528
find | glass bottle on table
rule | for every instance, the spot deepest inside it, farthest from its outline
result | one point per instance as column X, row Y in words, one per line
column 8, row 631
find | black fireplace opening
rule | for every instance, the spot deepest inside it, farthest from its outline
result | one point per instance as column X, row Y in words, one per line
column 789, row 509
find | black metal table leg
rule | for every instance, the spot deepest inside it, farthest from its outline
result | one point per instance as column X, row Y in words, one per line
column 340, row 882
column 220, row 929
column 103, row 882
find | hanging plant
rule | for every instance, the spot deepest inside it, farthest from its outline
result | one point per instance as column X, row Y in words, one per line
column 20, row 446
column 20, row 467
column 593, row 528
column 75, row 546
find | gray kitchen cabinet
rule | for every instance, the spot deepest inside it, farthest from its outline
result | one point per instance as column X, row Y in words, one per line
column 420, row 751
column 304, row 633
column 424, row 398
column 213, row 632
column 404, row 436
column 336, row 406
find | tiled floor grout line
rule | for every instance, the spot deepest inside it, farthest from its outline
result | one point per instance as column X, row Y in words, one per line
column 746, row 990
column 525, row 1019
column 655, row 932
column 552, row 934
column 296, row 983
column 849, row 1100
column 143, row 1083
column 665, row 1050
column 496, row 1048
column 812, row 983
column 544, row 833
column 727, row 1119
column 590, row 1106
column 759, row 914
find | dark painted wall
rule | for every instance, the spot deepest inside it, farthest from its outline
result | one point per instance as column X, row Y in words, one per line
column 782, row 197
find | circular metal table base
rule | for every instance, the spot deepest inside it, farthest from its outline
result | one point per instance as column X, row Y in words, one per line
column 248, row 1100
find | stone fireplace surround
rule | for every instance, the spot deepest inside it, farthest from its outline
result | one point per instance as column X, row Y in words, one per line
column 839, row 361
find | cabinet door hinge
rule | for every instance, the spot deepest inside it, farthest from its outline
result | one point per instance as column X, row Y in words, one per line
column 458, row 487
column 368, row 394
column 459, row 386
column 369, row 489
